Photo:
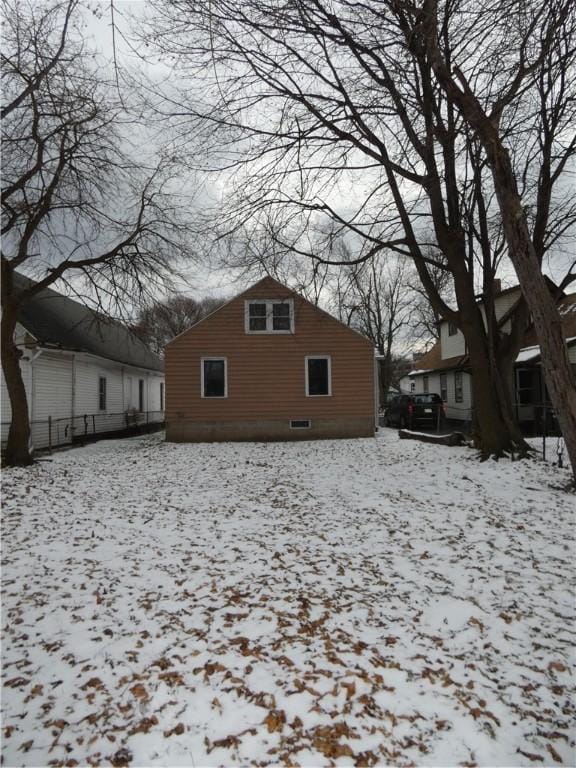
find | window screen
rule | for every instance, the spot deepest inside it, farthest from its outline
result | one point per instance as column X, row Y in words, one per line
column 214, row 378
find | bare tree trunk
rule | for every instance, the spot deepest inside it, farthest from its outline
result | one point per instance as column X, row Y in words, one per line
column 17, row 449
column 492, row 433
column 558, row 374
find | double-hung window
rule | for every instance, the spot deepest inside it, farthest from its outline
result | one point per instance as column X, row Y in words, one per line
column 443, row 387
column 214, row 377
column 318, row 372
column 458, row 387
column 269, row 316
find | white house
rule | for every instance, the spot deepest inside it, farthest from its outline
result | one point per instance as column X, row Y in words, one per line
column 445, row 370
column 83, row 373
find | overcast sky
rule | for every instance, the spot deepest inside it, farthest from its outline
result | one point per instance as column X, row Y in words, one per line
column 205, row 280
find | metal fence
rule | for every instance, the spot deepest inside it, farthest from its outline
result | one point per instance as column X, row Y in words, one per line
column 53, row 432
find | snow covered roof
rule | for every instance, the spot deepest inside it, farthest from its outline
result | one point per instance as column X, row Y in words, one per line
column 529, row 354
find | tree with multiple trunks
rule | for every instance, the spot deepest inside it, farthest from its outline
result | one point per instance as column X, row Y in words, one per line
column 76, row 204
column 350, row 118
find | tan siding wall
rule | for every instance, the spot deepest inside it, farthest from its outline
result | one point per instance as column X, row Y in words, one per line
column 266, row 378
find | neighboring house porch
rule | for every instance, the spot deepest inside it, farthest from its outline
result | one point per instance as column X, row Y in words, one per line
column 445, row 370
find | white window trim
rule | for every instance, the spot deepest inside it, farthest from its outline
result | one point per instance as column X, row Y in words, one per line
column 269, row 303
column 214, row 397
column 318, row 357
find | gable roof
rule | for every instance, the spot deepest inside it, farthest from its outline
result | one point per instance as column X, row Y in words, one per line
column 290, row 293
column 57, row 321
column 432, row 360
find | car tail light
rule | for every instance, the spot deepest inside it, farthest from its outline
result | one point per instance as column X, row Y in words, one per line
column 410, row 409
column 444, row 409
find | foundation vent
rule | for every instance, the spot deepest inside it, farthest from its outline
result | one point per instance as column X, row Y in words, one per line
column 300, row 424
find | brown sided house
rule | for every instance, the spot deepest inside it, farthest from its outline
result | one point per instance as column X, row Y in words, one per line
column 269, row 366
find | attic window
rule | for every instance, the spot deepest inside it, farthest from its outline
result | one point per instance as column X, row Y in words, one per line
column 269, row 316
column 452, row 329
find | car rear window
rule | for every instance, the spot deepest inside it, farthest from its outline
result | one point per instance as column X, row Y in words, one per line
column 427, row 398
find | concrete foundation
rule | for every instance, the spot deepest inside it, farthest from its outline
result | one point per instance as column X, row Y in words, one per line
column 184, row 431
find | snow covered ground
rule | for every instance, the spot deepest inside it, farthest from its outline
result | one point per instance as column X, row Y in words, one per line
column 354, row 602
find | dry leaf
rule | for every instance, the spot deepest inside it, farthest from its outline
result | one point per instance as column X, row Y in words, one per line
column 275, row 720
column 178, row 730
column 139, row 692
column 557, row 666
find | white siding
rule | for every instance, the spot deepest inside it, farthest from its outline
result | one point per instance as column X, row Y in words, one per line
column 452, row 346
column 88, row 373
column 51, row 397
column 433, row 383
column 405, row 384
column 5, row 401
column 62, row 385
column 505, row 302
column 51, row 387
column 458, row 411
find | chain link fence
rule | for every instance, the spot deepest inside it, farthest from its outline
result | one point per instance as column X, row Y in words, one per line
column 49, row 433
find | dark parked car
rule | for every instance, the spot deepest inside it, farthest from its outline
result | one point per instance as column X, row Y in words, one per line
column 409, row 411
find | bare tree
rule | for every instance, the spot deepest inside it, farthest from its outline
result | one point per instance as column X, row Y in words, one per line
column 542, row 62
column 425, row 319
column 334, row 121
column 374, row 298
column 161, row 321
column 76, row 205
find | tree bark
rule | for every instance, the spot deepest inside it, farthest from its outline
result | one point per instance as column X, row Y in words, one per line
column 17, row 449
column 494, row 432
column 558, row 374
